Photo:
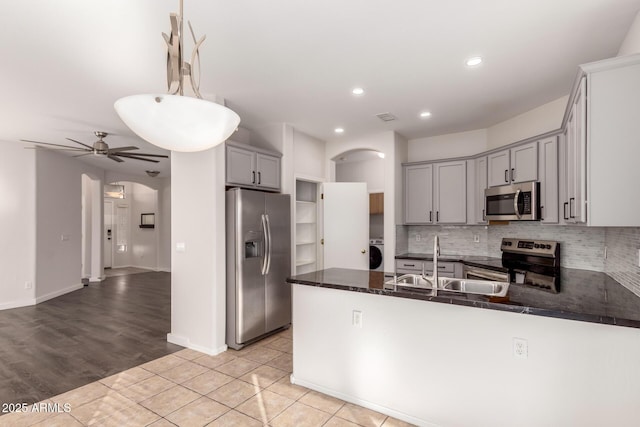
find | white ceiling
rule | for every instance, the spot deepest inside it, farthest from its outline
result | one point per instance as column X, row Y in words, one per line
column 65, row 62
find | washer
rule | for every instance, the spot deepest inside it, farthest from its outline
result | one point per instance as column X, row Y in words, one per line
column 376, row 254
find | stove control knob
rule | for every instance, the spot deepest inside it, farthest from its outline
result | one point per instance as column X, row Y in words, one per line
column 548, row 246
column 536, row 246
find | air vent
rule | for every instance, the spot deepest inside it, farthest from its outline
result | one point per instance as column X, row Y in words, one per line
column 386, row 117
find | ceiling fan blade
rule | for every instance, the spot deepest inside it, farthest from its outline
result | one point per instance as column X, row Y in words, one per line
column 115, row 158
column 145, row 154
column 55, row 149
column 81, row 143
column 129, row 156
column 118, row 149
column 80, row 155
column 55, row 145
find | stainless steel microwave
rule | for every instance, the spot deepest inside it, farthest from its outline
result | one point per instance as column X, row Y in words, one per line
column 516, row 202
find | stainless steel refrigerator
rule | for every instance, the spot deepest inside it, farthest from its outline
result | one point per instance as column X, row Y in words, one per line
column 258, row 262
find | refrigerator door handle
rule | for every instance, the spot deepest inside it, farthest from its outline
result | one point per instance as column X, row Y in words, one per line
column 265, row 257
column 268, row 251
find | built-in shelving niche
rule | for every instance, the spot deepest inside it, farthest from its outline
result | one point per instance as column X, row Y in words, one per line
column 306, row 233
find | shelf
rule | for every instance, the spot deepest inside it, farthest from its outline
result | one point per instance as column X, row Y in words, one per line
column 305, row 262
column 305, row 202
column 306, row 242
column 305, row 222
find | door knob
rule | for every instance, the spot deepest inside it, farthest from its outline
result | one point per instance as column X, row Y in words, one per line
column 363, row 251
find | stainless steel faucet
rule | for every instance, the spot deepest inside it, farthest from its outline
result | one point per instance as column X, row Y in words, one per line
column 434, row 277
column 436, row 254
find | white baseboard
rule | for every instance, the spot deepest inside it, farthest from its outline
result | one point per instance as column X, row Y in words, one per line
column 364, row 403
column 185, row 342
column 17, row 304
column 96, row 279
column 59, row 292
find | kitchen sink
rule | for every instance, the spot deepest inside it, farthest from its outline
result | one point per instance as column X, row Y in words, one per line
column 481, row 287
column 446, row 284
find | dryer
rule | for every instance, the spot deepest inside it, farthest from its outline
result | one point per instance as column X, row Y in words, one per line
column 376, row 254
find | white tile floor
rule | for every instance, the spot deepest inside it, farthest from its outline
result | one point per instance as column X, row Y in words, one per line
column 249, row 387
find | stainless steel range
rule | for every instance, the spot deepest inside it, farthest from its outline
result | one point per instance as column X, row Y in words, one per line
column 534, row 263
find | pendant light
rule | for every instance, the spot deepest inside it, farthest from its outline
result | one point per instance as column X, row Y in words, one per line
column 174, row 121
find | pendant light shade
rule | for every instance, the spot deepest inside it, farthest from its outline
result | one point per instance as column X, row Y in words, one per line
column 177, row 123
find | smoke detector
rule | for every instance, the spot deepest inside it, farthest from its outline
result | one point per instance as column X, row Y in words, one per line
column 152, row 173
column 386, row 117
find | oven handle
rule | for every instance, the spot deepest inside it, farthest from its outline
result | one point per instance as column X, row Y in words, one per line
column 484, row 274
column 515, row 204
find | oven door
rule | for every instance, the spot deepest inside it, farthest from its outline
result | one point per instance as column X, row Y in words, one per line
column 518, row 202
column 476, row 273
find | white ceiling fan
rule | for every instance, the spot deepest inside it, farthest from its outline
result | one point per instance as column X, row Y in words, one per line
column 101, row 148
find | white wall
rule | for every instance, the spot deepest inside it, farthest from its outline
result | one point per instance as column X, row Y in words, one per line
column 369, row 171
column 457, row 368
column 17, row 224
column 198, row 278
column 545, row 118
column 451, row 145
column 308, row 156
column 59, row 222
column 631, row 43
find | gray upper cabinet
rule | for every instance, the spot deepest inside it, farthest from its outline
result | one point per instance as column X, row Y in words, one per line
column 548, row 150
column 518, row 164
column 252, row 167
column 480, row 186
column 418, row 194
column 576, row 158
column 450, row 192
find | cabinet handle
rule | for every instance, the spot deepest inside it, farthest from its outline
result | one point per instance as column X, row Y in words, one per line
column 513, row 174
column 409, row 265
column 484, row 217
column 253, row 180
column 571, row 202
column 541, row 213
column 506, row 173
column 564, row 210
column 259, row 178
column 437, row 216
column 441, row 267
column 430, row 216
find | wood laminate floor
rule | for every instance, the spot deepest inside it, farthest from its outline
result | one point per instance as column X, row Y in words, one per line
column 84, row 336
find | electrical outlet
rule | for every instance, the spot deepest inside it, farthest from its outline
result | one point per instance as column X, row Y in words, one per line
column 28, row 285
column 520, row 348
column 418, row 237
column 476, row 238
column 356, row 318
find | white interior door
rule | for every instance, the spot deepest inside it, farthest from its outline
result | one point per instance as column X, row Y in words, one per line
column 109, row 234
column 346, row 225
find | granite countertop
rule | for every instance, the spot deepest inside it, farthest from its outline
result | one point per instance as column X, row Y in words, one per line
column 584, row 295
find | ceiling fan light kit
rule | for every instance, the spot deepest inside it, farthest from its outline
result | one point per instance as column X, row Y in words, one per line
column 174, row 121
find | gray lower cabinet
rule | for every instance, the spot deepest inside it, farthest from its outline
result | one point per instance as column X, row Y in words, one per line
column 252, row 167
column 410, row 266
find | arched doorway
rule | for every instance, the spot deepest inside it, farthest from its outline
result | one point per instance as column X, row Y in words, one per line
column 131, row 231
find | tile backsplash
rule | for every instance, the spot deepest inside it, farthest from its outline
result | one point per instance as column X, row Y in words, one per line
column 581, row 247
column 622, row 245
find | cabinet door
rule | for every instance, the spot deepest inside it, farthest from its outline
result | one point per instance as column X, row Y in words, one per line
column 498, row 168
column 268, row 171
column 450, row 198
column 576, row 158
column 481, row 185
column 240, row 166
column 418, row 194
column 376, row 203
column 524, row 163
column 549, row 179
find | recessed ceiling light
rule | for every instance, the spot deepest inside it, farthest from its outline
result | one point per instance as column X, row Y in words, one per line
column 381, row 155
column 425, row 114
column 357, row 91
column 474, row 61
column 339, row 130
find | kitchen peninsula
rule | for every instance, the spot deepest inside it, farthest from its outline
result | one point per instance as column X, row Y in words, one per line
column 452, row 360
